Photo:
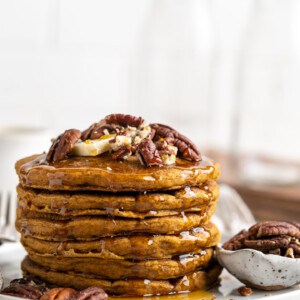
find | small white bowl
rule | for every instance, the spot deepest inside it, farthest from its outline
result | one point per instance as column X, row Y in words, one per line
column 259, row 270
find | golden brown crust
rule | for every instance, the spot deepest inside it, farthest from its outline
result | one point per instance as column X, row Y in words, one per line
column 119, row 269
column 131, row 287
column 103, row 174
column 132, row 205
column 129, row 247
column 87, row 228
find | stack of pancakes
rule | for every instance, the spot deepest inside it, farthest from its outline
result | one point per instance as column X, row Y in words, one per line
column 93, row 221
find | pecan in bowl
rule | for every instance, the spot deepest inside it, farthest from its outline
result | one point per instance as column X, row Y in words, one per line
column 266, row 256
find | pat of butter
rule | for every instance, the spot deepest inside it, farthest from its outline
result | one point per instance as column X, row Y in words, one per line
column 93, row 147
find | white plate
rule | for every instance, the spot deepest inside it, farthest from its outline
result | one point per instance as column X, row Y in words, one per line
column 11, row 256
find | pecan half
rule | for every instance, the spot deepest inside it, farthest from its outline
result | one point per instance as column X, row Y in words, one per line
column 124, row 120
column 275, row 228
column 63, row 145
column 27, row 287
column 60, row 294
column 236, row 242
column 96, row 130
column 185, row 146
column 86, row 134
column 148, row 154
column 268, row 244
column 91, row 293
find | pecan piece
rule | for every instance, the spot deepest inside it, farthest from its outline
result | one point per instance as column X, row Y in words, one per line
column 124, row 120
column 290, row 253
column 86, row 134
column 63, row 145
column 274, row 228
column 148, row 154
column 185, row 146
column 245, row 291
column 91, row 293
column 96, row 130
column 268, row 244
column 27, row 287
column 295, row 247
column 59, row 294
column 236, row 242
column 121, row 154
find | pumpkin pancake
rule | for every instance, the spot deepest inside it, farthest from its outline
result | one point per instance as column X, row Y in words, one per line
column 46, row 227
column 197, row 280
column 36, row 212
column 120, row 269
column 105, row 174
column 129, row 247
column 131, row 205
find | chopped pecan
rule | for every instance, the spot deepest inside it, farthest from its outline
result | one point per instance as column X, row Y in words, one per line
column 60, row 294
column 290, row 253
column 27, row 287
column 63, row 145
column 148, row 154
column 275, row 228
column 91, row 293
column 161, row 145
column 124, row 120
column 185, row 146
column 121, row 154
column 245, row 291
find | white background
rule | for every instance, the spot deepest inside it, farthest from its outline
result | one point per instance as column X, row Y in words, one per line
column 68, row 63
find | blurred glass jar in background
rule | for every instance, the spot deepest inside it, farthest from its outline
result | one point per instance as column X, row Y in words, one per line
column 172, row 66
column 267, row 109
column 17, row 142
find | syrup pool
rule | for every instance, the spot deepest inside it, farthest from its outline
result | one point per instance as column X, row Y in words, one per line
column 196, row 295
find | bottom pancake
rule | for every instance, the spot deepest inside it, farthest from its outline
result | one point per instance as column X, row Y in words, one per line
column 199, row 279
column 118, row 269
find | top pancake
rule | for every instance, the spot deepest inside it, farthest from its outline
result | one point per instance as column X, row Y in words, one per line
column 104, row 174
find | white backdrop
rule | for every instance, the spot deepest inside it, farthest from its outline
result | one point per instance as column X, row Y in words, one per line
column 67, row 63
